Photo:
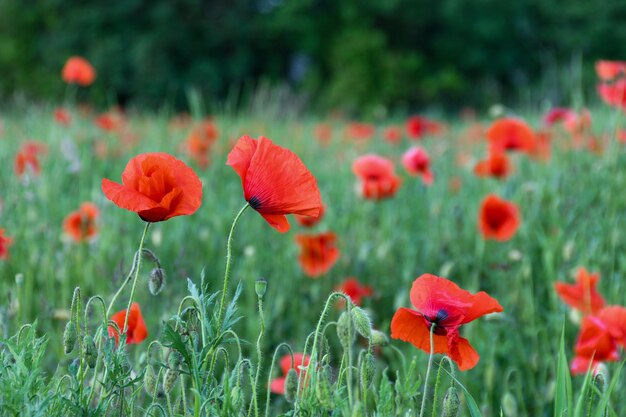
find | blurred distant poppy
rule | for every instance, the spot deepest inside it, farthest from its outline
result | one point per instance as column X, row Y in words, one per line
column 542, row 146
column 393, row 134
column 417, row 162
column 360, row 131
column 498, row 218
column 621, row 135
column 309, row 221
column 157, row 187
column 28, row 157
column 200, row 141
column 5, row 244
column 275, row 181
column 111, row 121
column 136, row 331
column 582, row 295
column 323, row 133
column 377, row 177
column 353, row 289
column 79, row 71
column 455, row 184
column 510, row 134
column 613, row 94
column 277, row 385
column 441, row 303
column 418, row 126
column 318, row 253
column 557, row 115
column 62, row 116
column 578, row 123
column 80, row 225
column 496, row 165
column 609, row 70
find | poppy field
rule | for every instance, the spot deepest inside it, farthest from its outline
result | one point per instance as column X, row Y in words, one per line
column 267, row 264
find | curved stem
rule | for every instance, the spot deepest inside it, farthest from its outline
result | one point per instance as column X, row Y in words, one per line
column 430, row 362
column 137, row 267
column 228, row 259
column 259, row 354
column 269, row 378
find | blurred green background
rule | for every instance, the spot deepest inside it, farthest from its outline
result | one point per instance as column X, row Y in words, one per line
column 348, row 54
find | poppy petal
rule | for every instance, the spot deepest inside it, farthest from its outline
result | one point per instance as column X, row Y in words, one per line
column 125, row 197
column 277, row 385
column 482, row 304
column 464, row 354
column 409, row 325
column 277, row 221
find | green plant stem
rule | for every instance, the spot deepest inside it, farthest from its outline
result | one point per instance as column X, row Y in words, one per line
column 137, row 268
column 269, row 378
column 430, row 363
column 259, row 355
column 228, row 260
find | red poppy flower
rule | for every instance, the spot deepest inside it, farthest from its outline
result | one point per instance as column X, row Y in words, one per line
column 417, row 162
column 28, row 158
column 583, row 295
column 200, row 141
column 377, row 177
column 136, row 331
column 445, row 305
column 62, row 117
column 613, row 94
column 418, row 127
column 5, row 244
column 609, row 70
column 323, row 133
column 318, row 253
column 79, row 71
column 111, row 121
column 360, row 131
column 498, row 218
column 275, row 181
column 353, row 289
column 308, row 221
column 510, row 134
column 392, row 134
column 157, row 187
column 80, row 225
column 277, row 385
column 496, row 165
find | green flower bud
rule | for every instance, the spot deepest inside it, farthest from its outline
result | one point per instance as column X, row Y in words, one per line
column 368, row 369
column 174, row 359
column 361, row 321
column 150, row 380
column 236, row 398
column 379, row 338
column 156, row 282
column 169, row 380
column 291, row 385
column 601, row 377
column 89, row 351
column 70, row 335
column 509, row 405
column 323, row 389
column 451, row 403
column 260, row 286
column 345, row 330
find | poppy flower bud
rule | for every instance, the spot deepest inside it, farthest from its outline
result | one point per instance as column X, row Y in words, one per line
column 345, row 330
column 379, row 338
column 509, row 405
column 70, row 335
column 323, row 389
column 291, row 385
column 451, row 403
column 260, row 286
column 169, row 380
column 150, row 380
column 361, row 321
column 89, row 351
column 236, row 398
column 368, row 369
column 156, row 281
column 174, row 359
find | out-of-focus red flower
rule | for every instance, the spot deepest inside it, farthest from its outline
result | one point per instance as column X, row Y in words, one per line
column 111, row 121
column 5, row 244
column 578, row 123
column 510, row 134
column 318, row 253
column 277, row 385
column 441, row 303
column 418, row 126
column 498, row 219
column 309, row 221
column 455, row 184
column 136, row 331
column 542, row 147
column 613, row 94
column 392, row 134
column 78, row 70
column 582, row 295
column 557, row 115
column 609, row 70
column 200, row 141
column 157, row 187
column 377, row 177
column 621, row 135
column 28, row 157
column 80, row 225
column 62, row 116
column 323, row 133
column 275, row 181
column 496, row 165
column 360, row 131
column 353, row 289
column 417, row 162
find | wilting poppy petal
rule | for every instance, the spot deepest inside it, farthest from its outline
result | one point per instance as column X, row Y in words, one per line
column 583, row 295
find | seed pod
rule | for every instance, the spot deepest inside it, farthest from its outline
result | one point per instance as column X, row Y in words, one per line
column 291, row 385
column 260, row 286
column 70, row 335
column 89, row 351
column 169, row 380
column 379, row 338
column 368, row 369
column 509, row 405
column 150, row 380
column 156, row 282
column 451, row 403
column 345, row 330
column 361, row 321
column 323, row 389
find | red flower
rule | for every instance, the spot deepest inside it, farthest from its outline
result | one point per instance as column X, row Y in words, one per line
column 111, row 121
column 496, row 165
column 5, row 244
column 510, row 134
column 392, row 134
column 79, row 71
column 583, row 295
column 417, row 162
column 275, row 181
column 80, row 225
column 136, row 331
column 613, row 94
column 360, row 131
column 609, row 70
column 377, row 177
column 157, row 187
column 200, row 141
column 323, row 133
column 28, row 157
column 62, row 117
column 309, row 221
column 445, row 305
column 499, row 219
column 558, row 114
column 277, row 385
column 318, row 253
column 418, row 126
column 355, row 290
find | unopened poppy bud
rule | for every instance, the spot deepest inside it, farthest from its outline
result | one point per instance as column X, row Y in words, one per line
column 379, row 338
column 236, row 398
column 90, row 352
column 601, row 376
column 451, row 403
column 361, row 321
column 509, row 405
column 291, row 385
column 174, row 359
column 169, row 380
column 150, row 380
column 345, row 330
column 156, row 282
column 323, row 389
column 368, row 369
column 70, row 335
column 260, row 286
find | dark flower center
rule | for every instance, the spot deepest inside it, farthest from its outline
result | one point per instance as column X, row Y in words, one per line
column 255, row 203
column 438, row 320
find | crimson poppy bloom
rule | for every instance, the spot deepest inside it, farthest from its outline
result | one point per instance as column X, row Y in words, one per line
column 377, row 177
column 136, row 331
column 79, row 71
column 419, row 126
column 441, row 303
column 157, row 187
column 28, row 158
column 277, row 385
column 353, row 289
column 80, row 225
column 393, row 134
column 558, row 114
column 308, row 221
column 496, row 165
column 318, row 253
column 498, row 218
column 583, row 295
column 5, row 244
column 417, row 162
column 360, row 131
column 613, row 94
column 510, row 134
column 62, row 117
column 609, row 70
column 200, row 142
column 275, row 181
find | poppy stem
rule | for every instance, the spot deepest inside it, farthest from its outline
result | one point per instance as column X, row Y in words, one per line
column 228, row 259
column 430, row 363
column 137, row 267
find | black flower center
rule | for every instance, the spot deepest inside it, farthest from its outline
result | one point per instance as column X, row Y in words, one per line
column 255, row 203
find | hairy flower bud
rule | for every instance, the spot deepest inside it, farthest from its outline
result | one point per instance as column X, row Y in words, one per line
column 291, row 385
column 174, row 359
column 345, row 330
column 368, row 369
column 169, row 380
column 260, row 286
column 323, row 389
column 89, row 351
column 361, row 321
column 379, row 338
column 156, row 282
column 70, row 335
column 451, row 403
column 150, row 380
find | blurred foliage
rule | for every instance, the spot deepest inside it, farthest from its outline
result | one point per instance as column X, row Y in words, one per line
column 354, row 54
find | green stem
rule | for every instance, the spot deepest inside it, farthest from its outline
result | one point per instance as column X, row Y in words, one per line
column 137, row 267
column 259, row 354
column 430, row 362
column 228, row 259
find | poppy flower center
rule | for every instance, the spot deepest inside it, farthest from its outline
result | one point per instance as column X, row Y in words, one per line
column 439, row 321
column 496, row 217
column 255, row 203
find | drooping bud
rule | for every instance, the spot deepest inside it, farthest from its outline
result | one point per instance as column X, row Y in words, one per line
column 509, row 405
column 379, row 338
column 368, row 369
column 323, row 389
column 169, row 380
column 236, row 398
column 150, row 380
column 291, row 385
column 451, row 403
column 345, row 330
column 174, row 359
column 260, row 286
column 362, row 322
column 70, row 335
column 89, row 351
column 601, row 377
column 156, row 282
